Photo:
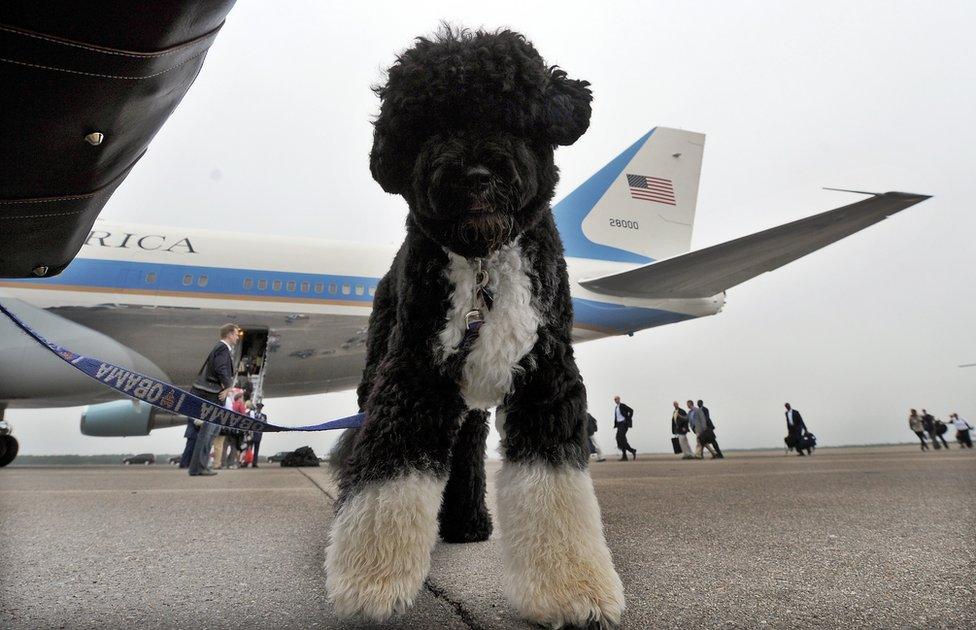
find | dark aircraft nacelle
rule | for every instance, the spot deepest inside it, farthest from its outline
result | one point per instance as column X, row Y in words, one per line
column 124, row 418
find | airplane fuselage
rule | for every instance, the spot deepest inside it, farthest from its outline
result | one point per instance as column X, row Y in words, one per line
column 163, row 292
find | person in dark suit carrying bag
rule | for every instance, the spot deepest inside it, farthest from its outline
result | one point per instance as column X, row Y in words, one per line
column 215, row 377
column 623, row 419
column 796, row 429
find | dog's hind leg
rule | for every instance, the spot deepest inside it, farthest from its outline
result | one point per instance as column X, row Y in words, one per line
column 558, row 569
column 390, row 491
column 464, row 517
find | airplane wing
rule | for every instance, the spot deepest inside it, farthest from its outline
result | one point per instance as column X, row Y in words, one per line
column 710, row 271
column 49, row 382
column 86, row 86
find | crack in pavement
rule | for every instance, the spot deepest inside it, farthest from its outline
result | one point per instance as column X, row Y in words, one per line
column 466, row 617
column 315, row 483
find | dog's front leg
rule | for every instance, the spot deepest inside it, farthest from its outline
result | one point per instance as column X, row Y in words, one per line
column 390, row 493
column 464, row 515
column 557, row 565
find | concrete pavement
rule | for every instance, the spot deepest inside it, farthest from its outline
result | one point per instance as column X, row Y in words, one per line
column 873, row 537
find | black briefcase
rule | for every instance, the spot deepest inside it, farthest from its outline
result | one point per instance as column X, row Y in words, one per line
column 676, row 446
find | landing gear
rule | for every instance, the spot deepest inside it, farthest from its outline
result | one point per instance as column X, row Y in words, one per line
column 8, row 444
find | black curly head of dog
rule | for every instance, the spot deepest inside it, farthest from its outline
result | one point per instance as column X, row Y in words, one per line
column 467, row 127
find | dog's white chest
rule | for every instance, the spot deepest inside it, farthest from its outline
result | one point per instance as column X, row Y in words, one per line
column 508, row 334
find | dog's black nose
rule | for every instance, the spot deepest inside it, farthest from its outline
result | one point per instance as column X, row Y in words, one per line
column 478, row 175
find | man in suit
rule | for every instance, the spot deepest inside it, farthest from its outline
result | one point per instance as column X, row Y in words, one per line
column 795, row 428
column 679, row 429
column 696, row 420
column 216, row 375
column 623, row 419
column 711, row 429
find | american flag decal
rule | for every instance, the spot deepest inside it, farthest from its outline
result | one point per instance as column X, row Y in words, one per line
column 654, row 189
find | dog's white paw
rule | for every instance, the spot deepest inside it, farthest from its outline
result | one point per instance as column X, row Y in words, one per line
column 558, row 568
column 376, row 600
column 570, row 592
column 379, row 550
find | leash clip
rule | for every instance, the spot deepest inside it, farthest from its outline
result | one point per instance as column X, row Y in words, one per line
column 481, row 296
column 473, row 316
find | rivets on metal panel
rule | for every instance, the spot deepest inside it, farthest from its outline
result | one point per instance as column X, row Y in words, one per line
column 95, row 138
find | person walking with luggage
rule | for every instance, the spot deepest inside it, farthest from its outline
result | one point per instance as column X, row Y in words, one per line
column 962, row 431
column 928, row 421
column 679, row 429
column 623, row 419
column 915, row 424
column 696, row 421
column 711, row 429
column 591, row 428
column 796, row 429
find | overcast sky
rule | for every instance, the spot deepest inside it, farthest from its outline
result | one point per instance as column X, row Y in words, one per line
column 274, row 137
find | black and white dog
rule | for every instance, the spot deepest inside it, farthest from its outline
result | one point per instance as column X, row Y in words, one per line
column 474, row 313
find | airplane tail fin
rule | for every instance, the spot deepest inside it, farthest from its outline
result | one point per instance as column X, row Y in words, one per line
column 641, row 206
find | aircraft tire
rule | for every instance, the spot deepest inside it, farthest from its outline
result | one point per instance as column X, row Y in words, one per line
column 8, row 449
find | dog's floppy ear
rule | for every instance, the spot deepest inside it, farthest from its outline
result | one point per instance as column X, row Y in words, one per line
column 384, row 165
column 567, row 107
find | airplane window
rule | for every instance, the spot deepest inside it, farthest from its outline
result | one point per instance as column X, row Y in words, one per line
column 332, row 287
column 346, row 289
column 202, row 281
column 262, row 285
column 360, row 289
column 319, row 287
column 151, row 277
column 248, row 283
column 276, row 285
column 372, row 291
column 187, row 280
column 291, row 285
column 305, row 287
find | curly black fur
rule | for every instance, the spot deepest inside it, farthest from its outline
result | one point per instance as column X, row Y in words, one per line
column 464, row 517
column 466, row 132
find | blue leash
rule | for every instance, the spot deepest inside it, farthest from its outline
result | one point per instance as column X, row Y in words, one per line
column 168, row 397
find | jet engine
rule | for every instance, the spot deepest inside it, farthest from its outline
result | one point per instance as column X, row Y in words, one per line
column 124, row 418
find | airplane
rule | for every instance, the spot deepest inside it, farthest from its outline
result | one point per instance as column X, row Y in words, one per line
column 151, row 298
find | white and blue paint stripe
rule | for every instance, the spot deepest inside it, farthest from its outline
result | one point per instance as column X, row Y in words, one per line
column 128, row 277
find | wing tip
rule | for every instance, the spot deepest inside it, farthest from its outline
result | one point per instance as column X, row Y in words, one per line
column 915, row 197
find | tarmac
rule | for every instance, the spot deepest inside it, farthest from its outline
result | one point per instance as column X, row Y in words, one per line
column 854, row 537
